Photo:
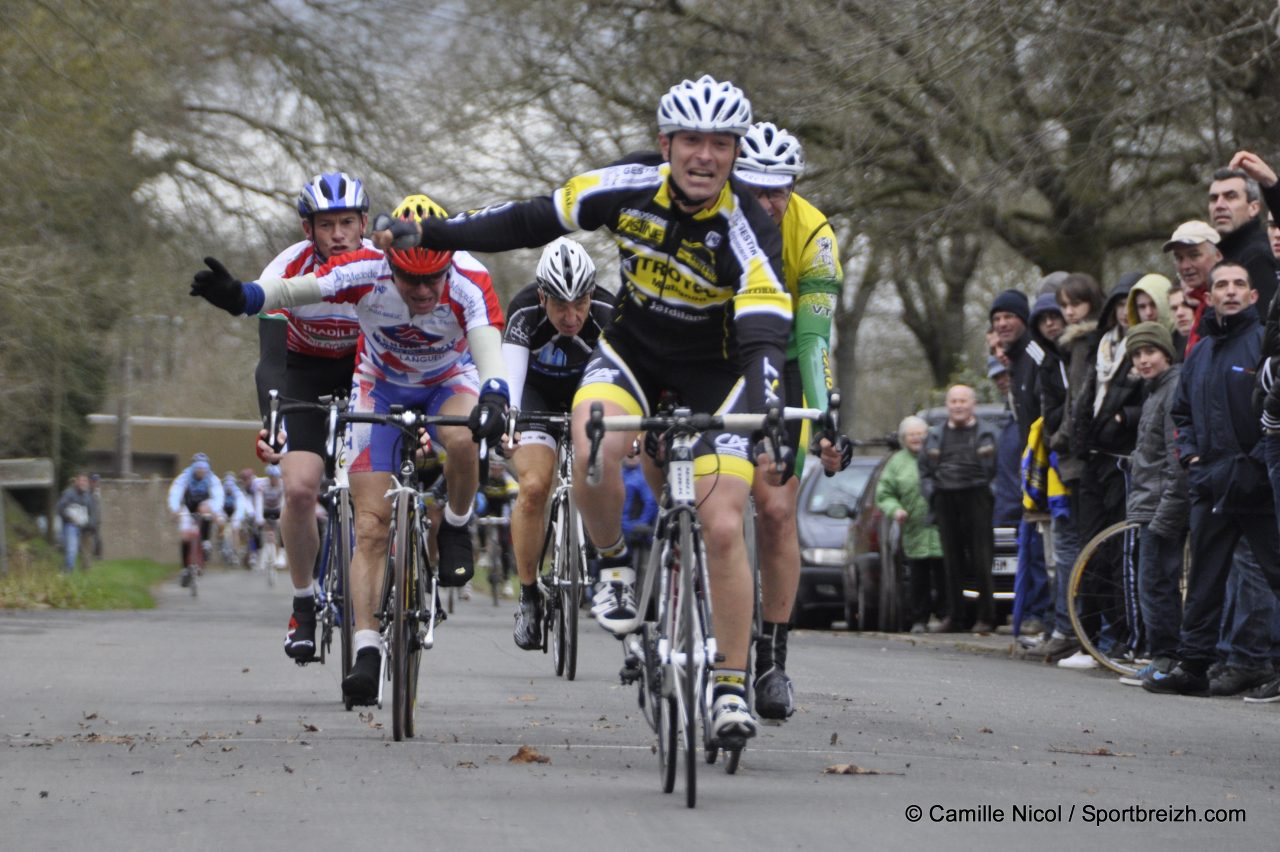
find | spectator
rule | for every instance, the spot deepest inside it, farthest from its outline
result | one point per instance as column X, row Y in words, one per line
column 639, row 510
column 1183, row 310
column 1008, row 481
column 1063, row 379
column 75, row 509
column 898, row 496
column 1235, row 199
column 956, row 469
column 1157, row 497
column 1218, row 445
column 1148, row 301
column 1195, row 252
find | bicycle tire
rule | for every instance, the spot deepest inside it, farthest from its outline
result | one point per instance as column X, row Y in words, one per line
column 399, row 558
column 341, row 568
column 415, row 599
column 556, row 624
column 571, row 592
column 689, row 639
column 733, row 756
column 666, row 708
column 1089, row 583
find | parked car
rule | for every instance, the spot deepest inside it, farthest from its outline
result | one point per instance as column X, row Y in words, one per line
column 825, row 506
column 876, row 584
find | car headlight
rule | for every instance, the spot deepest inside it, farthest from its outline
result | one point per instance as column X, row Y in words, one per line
column 823, row 555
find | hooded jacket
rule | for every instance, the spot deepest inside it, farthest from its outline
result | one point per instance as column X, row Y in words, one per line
column 1025, row 357
column 1215, row 421
column 1157, row 482
column 1061, row 386
column 1157, row 287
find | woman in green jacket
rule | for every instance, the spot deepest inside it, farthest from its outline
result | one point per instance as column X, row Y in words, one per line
column 898, row 496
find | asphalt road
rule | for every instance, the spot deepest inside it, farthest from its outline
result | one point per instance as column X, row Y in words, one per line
column 186, row 727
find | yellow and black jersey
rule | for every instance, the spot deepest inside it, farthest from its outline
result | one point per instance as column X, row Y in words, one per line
column 695, row 287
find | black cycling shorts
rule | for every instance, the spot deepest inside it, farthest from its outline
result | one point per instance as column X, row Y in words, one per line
column 307, row 379
column 532, row 402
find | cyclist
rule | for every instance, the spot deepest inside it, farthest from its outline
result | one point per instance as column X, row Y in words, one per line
column 268, row 507
column 235, row 508
column 250, row 541
column 553, row 325
column 702, row 313
column 195, row 496
column 769, row 163
column 431, row 336
column 308, row 351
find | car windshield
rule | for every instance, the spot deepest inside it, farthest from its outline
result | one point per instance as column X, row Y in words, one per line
column 844, row 488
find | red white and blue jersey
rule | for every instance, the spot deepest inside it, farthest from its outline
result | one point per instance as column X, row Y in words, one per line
column 322, row 330
column 397, row 346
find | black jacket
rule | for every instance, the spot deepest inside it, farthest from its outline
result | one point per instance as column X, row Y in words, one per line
column 1062, row 379
column 1114, row 428
column 1025, row 357
column 1215, row 419
column 986, row 443
column 1248, row 246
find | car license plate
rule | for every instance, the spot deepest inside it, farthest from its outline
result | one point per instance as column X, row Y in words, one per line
column 1004, row 565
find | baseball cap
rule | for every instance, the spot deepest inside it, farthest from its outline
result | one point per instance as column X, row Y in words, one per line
column 1192, row 233
column 995, row 367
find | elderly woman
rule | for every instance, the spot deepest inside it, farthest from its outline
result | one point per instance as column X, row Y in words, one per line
column 898, row 496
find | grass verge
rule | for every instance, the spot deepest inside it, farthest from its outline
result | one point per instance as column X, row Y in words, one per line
column 117, row 584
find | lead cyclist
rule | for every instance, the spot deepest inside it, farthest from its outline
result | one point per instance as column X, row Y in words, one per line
column 702, row 312
column 769, row 162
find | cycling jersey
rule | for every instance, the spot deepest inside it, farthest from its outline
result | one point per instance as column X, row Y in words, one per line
column 541, row 359
column 234, row 503
column 268, row 499
column 323, row 330
column 397, row 346
column 188, row 491
column 696, row 288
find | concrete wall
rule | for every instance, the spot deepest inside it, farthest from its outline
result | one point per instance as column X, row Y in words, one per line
column 135, row 521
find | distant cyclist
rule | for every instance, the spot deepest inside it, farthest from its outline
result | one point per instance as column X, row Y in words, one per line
column 308, row 351
column 195, row 499
column 769, row 162
column 497, row 495
column 236, row 507
column 553, row 325
column 268, row 507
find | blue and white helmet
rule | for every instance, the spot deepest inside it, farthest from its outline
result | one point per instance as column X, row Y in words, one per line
column 705, row 106
column 770, row 156
column 332, row 191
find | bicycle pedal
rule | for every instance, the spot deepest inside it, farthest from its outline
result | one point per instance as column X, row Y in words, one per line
column 629, row 673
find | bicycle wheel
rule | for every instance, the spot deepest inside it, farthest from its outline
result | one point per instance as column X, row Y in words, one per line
column 690, row 644
column 1101, row 599
column 733, row 756
column 661, row 680
column 571, row 588
column 415, row 586
column 340, row 568
column 400, row 559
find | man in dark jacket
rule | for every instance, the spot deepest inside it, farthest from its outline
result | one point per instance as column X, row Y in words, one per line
column 1235, row 200
column 1218, row 443
column 957, row 465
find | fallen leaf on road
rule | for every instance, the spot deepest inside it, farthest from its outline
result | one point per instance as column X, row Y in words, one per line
column 466, row 764
column 288, row 768
column 516, row 698
column 88, row 716
column 985, row 731
column 228, row 748
column 1097, row 752
column 44, row 794
column 256, row 720
column 1176, row 752
column 528, row 754
column 367, row 718
column 244, row 670
column 835, row 738
column 307, row 726
column 136, row 772
column 854, row 769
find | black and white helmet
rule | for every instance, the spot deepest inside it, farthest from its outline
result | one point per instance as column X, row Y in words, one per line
column 705, row 106
column 769, row 157
column 565, row 270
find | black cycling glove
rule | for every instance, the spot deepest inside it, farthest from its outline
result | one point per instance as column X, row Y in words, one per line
column 219, row 287
column 488, row 420
column 404, row 232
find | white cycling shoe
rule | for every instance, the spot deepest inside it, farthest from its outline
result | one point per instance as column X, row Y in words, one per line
column 614, row 603
column 731, row 719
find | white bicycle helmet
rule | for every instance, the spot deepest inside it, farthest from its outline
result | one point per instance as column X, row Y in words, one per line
column 770, row 156
column 705, row 106
column 565, row 270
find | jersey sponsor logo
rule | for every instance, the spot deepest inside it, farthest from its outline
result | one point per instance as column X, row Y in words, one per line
column 824, row 261
column 406, row 336
column 729, row 443
column 643, row 227
column 819, row 304
column 551, row 356
column 601, row 376
column 660, row 278
column 713, row 240
column 699, row 258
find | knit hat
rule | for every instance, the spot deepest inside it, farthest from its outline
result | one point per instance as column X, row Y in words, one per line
column 1012, row 302
column 1149, row 334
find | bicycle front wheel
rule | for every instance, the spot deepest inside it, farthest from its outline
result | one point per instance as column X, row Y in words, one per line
column 691, row 648
column 1102, row 597
column 571, row 588
column 401, row 558
column 340, row 568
